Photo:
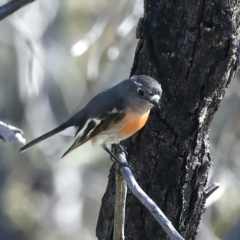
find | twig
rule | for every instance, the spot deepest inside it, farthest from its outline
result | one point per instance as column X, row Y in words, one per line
column 211, row 189
column 120, row 204
column 146, row 201
column 11, row 7
column 10, row 133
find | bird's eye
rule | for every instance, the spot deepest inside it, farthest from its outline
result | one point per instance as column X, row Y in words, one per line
column 140, row 92
column 151, row 94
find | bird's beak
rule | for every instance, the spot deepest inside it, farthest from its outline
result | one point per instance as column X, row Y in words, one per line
column 154, row 100
column 155, row 104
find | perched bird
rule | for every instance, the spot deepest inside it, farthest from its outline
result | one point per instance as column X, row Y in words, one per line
column 111, row 116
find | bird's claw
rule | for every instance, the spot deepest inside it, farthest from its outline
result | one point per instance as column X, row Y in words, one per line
column 124, row 149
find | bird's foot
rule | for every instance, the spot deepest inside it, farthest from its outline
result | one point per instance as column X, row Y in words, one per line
column 115, row 159
column 124, row 149
column 120, row 147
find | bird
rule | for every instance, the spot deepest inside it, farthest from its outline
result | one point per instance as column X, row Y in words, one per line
column 111, row 116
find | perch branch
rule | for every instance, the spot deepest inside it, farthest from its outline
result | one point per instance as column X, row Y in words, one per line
column 11, row 7
column 10, row 133
column 120, row 204
column 145, row 200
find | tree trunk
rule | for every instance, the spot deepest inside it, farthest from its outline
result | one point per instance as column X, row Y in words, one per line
column 191, row 48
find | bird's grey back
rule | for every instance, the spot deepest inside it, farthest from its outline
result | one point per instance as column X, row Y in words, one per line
column 114, row 98
column 103, row 103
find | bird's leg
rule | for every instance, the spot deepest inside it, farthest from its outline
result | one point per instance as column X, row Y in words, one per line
column 123, row 148
column 121, row 164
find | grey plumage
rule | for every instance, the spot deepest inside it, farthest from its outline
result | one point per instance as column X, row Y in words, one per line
column 107, row 108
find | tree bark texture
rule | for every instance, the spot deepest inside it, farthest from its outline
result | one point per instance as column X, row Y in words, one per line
column 191, row 48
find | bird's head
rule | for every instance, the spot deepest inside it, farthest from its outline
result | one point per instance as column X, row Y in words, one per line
column 145, row 92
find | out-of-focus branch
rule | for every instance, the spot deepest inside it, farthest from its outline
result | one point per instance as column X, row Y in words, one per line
column 10, row 133
column 145, row 199
column 11, row 7
column 120, row 205
column 211, row 189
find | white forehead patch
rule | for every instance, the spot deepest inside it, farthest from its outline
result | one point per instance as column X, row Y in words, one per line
column 139, row 84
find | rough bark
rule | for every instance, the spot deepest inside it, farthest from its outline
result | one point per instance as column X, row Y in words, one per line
column 191, row 48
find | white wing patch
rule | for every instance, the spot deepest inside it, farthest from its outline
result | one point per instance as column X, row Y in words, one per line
column 114, row 111
column 97, row 121
column 81, row 132
column 70, row 131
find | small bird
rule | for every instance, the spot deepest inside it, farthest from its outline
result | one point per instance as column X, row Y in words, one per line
column 111, row 116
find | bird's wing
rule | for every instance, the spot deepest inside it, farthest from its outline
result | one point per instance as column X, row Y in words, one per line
column 101, row 110
column 93, row 126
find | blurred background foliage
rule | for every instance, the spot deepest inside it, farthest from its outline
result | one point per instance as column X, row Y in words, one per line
column 54, row 57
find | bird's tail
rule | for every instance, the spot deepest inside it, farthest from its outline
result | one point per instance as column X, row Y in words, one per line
column 43, row 137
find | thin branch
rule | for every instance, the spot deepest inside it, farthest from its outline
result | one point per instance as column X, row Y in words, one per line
column 120, row 205
column 146, row 201
column 211, row 189
column 11, row 7
column 10, row 133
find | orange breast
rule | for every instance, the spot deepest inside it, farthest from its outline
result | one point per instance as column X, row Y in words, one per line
column 133, row 122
